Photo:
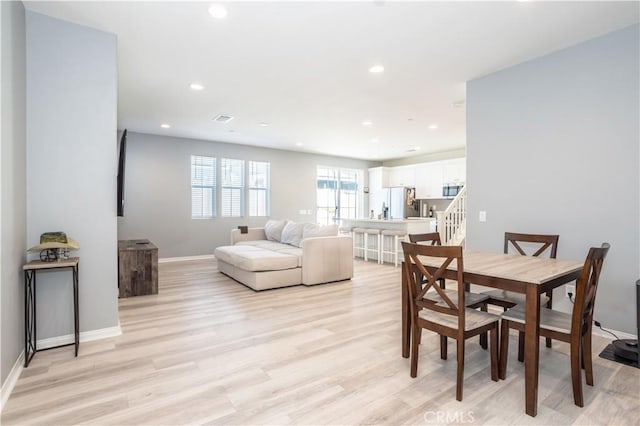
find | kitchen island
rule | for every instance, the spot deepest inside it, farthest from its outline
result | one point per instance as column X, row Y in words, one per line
column 419, row 225
column 383, row 248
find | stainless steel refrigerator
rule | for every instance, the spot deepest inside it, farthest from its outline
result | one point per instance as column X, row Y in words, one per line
column 402, row 202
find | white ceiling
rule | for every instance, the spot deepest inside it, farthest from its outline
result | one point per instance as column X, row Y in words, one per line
column 302, row 67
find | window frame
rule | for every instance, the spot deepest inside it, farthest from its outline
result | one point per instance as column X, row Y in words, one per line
column 251, row 189
column 233, row 187
column 202, row 186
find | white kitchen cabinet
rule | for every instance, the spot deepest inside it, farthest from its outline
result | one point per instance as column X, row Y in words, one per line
column 429, row 180
column 378, row 192
column 454, row 171
column 379, row 177
column 402, row 176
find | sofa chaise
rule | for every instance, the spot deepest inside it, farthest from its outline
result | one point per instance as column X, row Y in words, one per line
column 285, row 253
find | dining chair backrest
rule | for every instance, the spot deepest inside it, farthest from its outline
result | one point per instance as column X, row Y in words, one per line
column 586, row 287
column 429, row 237
column 513, row 239
column 420, row 280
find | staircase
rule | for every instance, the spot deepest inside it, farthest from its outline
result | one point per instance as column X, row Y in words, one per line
column 452, row 223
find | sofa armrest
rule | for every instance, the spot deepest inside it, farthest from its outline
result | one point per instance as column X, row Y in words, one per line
column 253, row 234
column 326, row 259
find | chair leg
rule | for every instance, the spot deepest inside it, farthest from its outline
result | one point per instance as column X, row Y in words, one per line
column 395, row 250
column 415, row 335
column 483, row 336
column 365, row 244
column 576, row 372
column 420, row 337
column 460, row 370
column 493, row 337
column 443, row 347
column 504, row 348
column 549, row 306
column 521, row 346
column 587, row 362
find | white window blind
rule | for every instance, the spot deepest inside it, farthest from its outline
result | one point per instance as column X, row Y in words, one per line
column 203, row 186
column 258, row 188
column 232, row 187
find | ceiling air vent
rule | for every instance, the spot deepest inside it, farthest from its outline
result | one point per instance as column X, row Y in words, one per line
column 221, row 118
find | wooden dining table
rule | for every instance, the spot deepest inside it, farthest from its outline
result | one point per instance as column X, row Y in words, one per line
column 528, row 275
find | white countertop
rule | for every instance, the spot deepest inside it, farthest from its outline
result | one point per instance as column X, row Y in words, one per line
column 411, row 220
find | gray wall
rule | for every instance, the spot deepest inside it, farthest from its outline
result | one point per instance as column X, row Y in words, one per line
column 13, row 229
column 552, row 147
column 71, row 166
column 158, row 191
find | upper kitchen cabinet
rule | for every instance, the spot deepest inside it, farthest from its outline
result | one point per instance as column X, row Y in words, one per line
column 454, row 171
column 378, row 178
column 402, row 176
column 428, row 180
column 431, row 177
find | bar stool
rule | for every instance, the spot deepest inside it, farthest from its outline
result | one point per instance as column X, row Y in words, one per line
column 367, row 245
column 393, row 236
column 359, row 241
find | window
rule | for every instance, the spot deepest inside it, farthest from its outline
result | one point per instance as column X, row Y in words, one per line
column 337, row 194
column 203, row 186
column 232, row 187
column 258, row 188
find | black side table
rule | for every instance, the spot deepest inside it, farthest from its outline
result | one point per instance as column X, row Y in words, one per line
column 30, row 270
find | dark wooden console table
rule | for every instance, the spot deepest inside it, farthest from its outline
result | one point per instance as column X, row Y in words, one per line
column 30, row 269
column 137, row 268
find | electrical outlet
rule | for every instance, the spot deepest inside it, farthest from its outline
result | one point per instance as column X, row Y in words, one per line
column 570, row 289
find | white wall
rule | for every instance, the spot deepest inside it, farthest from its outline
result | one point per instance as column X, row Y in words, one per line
column 552, row 147
column 13, row 229
column 71, row 167
column 158, row 191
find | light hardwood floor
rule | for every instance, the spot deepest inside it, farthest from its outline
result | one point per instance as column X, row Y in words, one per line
column 207, row 350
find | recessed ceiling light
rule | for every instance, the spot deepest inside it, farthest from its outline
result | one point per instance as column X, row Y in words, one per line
column 376, row 69
column 196, row 86
column 367, row 123
column 375, row 140
column 457, row 104
column 263, row 124
column 165, row 125
column 299, row 144
column 433, row 126
column 218, row 11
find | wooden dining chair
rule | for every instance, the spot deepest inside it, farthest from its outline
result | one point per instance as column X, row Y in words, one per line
column 526, row 245
column 574, row 328
column 476, row 300
column 472, row 300
column 442, row 310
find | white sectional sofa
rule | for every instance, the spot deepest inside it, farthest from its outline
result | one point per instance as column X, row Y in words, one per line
column 285, row 253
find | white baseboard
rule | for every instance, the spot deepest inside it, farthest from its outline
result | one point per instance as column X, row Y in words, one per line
column 185, row 258
column 85, row 336
column 12, row 379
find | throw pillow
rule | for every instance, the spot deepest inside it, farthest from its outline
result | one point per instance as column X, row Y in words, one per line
column 273, row 229
column 292, row 233
column 312, row 230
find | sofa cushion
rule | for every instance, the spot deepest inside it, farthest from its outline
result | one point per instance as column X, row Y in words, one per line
column 292, row 233
column 276, row 247
column 273, row 229
column 311, row 230
column 252, row 258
